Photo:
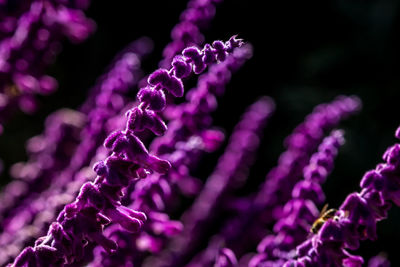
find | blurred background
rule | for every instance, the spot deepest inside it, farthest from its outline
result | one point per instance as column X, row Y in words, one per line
column 305, row 53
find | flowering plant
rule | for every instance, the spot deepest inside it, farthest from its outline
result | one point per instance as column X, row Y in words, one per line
column 152, row 168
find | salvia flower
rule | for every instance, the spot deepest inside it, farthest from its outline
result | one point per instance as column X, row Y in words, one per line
column 186, row 140
column 265, row 208
column 26, row 208
column 301, row 211
column 116, row 82
column 229, row 172
column 356, row 219
column 98, row 203
column 119, row 181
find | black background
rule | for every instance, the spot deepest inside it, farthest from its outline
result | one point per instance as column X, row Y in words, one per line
column 305, row 53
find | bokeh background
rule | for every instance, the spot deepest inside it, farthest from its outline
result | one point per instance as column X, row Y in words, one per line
column 305, row 53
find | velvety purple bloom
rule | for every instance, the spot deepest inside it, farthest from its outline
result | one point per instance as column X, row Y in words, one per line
column 357, row 217
column 98, row 203
column 60, row 165
column 262, row 210
column 120, row 181
column 190, row 134
column 198, row 17
column 228, row 175
column 306, row 137
column 301, row 211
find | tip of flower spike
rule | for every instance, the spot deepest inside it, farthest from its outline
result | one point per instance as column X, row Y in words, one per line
column 397, row 134
column 143, row 46
column 233, row 43
column 265, row 106
column 338, row 134
column 352, row 103
column 380, row 260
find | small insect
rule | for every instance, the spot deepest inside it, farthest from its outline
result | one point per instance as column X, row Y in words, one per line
column 323, row 217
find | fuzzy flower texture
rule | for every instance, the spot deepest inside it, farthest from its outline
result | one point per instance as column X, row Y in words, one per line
column 114, row 182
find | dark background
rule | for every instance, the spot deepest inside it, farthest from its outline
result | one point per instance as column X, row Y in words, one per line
column 305, row 53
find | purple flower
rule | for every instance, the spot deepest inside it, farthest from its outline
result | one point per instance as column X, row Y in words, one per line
column 357, row 216
column 69, row 142
column 297, row 216
column 82, row 219
column 266, row 206
column 188, row 137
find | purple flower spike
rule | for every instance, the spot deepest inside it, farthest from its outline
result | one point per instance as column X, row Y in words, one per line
column 357, row 218
column 68, row 144
column 189, row 136
column 268, row 206
column 299, row 213
column 301, row 144
column 99, row 199
column 230, row 173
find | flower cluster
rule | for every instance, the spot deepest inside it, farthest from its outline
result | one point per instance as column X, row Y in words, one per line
column 98, row 202
column 116, row 181
column 356, row 218
column 300, row 212
column 30, row 39
column 67, row 158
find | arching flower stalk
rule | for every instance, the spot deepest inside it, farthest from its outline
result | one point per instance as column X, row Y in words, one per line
column 98, row 203
column 190, row 134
